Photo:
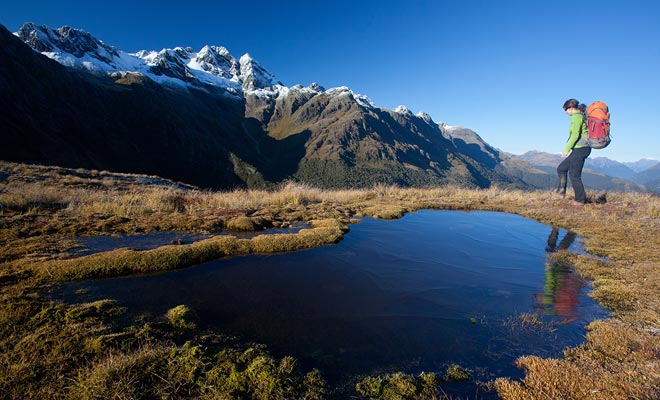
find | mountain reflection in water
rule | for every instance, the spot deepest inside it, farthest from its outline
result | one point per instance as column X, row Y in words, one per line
column 414, row 294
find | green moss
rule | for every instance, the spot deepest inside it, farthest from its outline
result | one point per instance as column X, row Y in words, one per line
column 193, row 371
column 399, row 386
column 242, row 224
column 52, row 341
column 253, row 373
column 120, row 340
column 182, row 317
column 322, row 233
column 51, row 314
column 96, row 310
column 455, row 373
column 385, row 212
column 129, row 375
column 371, row 387
column 314, row 386
column 186, row 369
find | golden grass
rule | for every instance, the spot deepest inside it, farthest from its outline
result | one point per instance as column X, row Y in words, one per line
column 43, row 208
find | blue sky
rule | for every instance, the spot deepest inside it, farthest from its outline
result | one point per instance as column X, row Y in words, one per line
column 501, row 68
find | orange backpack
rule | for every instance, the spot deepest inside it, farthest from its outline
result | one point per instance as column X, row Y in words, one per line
column 598, row 125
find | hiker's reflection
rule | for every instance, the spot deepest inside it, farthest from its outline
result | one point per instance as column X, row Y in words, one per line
column 565, row 243
column 562, row 287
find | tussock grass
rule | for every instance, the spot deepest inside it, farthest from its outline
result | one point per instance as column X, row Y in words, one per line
column 47, row 345
column 288, row 194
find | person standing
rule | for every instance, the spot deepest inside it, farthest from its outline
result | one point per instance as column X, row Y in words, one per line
column 575, row 152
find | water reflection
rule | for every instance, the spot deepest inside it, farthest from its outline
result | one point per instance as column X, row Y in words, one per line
column 562, row 289
column 565, row 243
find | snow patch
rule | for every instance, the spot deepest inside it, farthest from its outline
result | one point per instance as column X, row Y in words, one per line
column 403, row 110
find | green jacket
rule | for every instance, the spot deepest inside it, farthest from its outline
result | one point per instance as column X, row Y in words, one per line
column 577, row 131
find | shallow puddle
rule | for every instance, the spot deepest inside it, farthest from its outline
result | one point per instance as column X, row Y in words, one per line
column 414, row 294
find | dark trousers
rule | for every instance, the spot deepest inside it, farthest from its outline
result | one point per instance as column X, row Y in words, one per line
column 572, row 166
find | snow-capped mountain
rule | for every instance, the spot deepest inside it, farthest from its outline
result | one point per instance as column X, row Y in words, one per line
column 182, row 66
column 207, row 118
column 71, row 47
column 210, row 67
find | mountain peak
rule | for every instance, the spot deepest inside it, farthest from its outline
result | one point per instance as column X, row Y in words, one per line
column 179, row 66
column 67, row 44
column 316, row 87
column 425, row 117
column 403, row 110
column 182, row 67
column 217, row 61
column 253, row 75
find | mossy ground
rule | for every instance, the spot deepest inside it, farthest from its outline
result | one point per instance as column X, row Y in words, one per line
column 53, row 350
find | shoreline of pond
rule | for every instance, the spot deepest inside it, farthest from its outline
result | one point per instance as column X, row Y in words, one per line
column 527, row 321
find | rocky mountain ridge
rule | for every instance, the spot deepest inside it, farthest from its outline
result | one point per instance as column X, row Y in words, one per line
column 206, row 118
column 212, row 66
column 642, row 165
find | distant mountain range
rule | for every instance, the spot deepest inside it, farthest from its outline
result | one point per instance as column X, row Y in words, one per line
column 603, row 173
column 642, row 165
column 209, row 119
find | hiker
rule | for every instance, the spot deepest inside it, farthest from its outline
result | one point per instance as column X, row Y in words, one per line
column 579, row 151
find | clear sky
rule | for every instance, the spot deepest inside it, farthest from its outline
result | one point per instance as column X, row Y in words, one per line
column 502, row 68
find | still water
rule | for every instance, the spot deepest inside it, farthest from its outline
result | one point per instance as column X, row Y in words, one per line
column 414, row 294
